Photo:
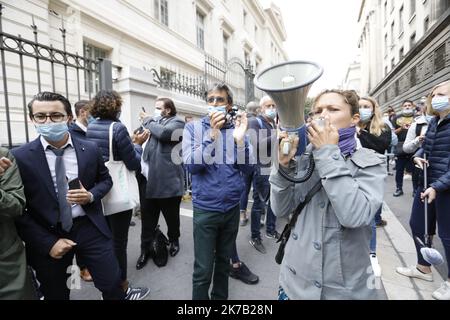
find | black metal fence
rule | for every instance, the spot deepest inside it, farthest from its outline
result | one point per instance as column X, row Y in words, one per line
column 28, row 57
column 235, row 74
column 187, row 84
column 238, row 75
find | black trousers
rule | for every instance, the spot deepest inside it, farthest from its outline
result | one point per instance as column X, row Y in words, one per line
column 120, row 224
column 404, row 162
column 170, row 208
column 58, row 276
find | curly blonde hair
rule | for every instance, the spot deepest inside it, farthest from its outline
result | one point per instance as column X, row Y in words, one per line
column 377, row 125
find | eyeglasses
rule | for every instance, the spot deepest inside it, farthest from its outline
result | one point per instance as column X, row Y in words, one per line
column 216, row 100
column 54, row 117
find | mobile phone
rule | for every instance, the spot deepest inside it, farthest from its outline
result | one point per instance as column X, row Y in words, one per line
column 74, row 184
column 143, row 109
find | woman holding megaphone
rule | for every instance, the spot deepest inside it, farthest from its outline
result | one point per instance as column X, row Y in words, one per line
column 326, row 255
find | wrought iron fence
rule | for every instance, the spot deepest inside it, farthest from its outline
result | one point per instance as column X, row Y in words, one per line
column 33, row 56
column 190, row 85
column 235, row 74
column 238, row 75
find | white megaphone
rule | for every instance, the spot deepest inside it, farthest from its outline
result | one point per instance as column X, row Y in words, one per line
column 288, row 85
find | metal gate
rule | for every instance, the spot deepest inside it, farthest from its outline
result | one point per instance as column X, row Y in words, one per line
column 22, row 64
column 234, row 73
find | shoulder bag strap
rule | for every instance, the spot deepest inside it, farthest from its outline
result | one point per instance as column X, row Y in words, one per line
column 111, row 153
column 308, row 198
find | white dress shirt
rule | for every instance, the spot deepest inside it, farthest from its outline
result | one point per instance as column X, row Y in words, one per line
column 82, row 126
column 144, row 164
column 71, row 165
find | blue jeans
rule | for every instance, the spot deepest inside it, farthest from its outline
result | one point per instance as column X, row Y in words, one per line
column 261, row 191
column 248, row 178
column 282, row 296
column 373, row 239
column 378, row 216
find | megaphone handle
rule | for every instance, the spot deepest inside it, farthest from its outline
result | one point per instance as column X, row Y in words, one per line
column 286, row 148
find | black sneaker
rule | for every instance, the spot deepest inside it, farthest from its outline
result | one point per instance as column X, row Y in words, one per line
column 398, row 193
column 257, row 244
column 273, row 235
column 136, row 293
column 382, row 223
column 244, row 274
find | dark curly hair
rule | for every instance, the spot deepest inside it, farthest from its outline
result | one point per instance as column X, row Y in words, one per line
column 350, row 97
column 107, row 105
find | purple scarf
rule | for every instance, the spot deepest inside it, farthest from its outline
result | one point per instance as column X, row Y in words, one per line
column 347, row 141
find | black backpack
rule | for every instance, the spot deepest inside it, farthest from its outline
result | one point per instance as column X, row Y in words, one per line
column 159, row 251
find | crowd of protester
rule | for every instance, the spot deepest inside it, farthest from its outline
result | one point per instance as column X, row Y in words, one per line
column 53, row 192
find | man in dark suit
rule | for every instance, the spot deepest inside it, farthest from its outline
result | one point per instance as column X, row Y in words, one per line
column 58, row 222
column 79, row 127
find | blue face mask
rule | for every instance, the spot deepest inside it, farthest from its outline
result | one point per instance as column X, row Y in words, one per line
column 90, row 119
column 272, row 114
column 365, row 115
column 222, row 109
column 52, row 132
column 440, row 103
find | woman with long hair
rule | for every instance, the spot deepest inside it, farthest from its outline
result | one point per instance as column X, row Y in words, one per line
column 373, row 133
column 436, row 147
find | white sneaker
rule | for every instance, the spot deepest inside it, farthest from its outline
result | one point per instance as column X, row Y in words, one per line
column 375, row 265
column 412, row 272
column 443, row 293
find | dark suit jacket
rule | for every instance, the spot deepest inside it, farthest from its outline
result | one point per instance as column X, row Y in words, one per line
column 37, row 226
column 76, row 131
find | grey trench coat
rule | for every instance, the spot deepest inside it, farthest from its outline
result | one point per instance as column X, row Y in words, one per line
column 327, row 255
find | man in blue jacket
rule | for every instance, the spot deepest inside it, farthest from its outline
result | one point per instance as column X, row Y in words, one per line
column 217, row 154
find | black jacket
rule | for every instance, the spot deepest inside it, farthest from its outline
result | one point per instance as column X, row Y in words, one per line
column 437, row 148
column 379, row 144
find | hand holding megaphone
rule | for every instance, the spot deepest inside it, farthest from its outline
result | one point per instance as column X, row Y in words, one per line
column 288, row 147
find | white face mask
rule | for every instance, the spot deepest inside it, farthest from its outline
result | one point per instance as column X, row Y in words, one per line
column 440, row 103
column 157, row 113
